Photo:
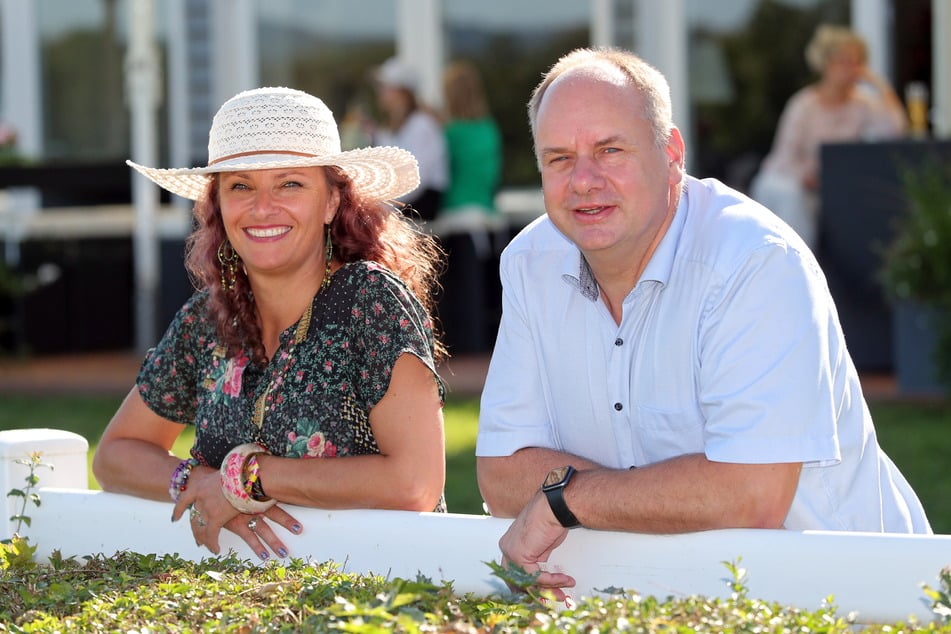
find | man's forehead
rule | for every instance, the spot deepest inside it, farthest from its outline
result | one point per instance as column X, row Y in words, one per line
column 594, row 70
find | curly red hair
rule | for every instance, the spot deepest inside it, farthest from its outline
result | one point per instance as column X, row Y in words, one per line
column 363, row 229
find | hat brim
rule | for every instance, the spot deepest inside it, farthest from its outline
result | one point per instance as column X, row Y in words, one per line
column 380, row 173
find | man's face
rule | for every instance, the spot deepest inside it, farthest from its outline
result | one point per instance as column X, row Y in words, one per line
column 607, row 186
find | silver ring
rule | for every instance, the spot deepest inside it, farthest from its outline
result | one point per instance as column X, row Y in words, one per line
column 253, row 523
column 194, row 515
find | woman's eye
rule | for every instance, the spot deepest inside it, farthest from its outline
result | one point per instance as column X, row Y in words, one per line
column 292, row 184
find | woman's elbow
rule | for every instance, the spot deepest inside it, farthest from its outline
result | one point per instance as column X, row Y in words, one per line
column 417, row 496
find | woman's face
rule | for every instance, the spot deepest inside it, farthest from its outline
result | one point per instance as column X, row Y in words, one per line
column 845, row 65
column 275, row 219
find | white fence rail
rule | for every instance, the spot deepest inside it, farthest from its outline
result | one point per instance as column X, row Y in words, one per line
column 877, row 577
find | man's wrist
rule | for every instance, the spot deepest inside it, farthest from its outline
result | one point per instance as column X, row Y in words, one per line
column 554, row 489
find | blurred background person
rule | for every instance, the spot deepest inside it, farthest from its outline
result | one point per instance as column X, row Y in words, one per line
column 468, row 223
column 848, row 102
column 407, row 124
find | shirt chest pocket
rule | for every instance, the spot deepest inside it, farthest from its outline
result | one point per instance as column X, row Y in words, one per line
column 660, row 434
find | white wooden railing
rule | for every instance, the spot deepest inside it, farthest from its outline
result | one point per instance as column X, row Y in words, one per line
column 875, row 577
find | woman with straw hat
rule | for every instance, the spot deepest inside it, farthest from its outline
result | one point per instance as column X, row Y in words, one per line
column 310, row 335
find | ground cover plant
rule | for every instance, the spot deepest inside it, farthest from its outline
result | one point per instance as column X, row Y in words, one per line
column 148, row 593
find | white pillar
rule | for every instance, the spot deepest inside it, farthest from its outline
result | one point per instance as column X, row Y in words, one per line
column 176, row 87
column 872, row 19
column 941, row 68
column 662, row 41
column 602, row 23
column 22, row 99
column 235, row 59
column 64, row 450
column 142, row 84
column 21, row 107
column 420, row 43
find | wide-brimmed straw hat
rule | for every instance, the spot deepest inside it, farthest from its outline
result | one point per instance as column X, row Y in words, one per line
column 269, row 128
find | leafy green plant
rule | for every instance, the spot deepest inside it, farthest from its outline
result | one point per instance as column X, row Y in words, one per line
column 16, row 552
column 27, row 494
column 917, row 263
column 941, row 598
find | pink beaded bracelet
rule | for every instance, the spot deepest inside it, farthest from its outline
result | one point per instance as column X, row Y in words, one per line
column 233, row 483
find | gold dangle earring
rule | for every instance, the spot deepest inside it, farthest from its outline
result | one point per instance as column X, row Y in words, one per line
column 228, row 258
column 330, row 254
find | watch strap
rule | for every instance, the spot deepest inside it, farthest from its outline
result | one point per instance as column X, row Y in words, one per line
column 556, row 501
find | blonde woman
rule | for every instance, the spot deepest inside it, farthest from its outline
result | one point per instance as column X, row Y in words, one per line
column 848, row 102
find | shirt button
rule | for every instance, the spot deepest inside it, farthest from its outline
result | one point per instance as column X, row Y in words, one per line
column 619, row 342
column 618, row 407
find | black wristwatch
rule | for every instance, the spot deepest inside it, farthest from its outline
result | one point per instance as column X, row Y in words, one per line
column 554, row 488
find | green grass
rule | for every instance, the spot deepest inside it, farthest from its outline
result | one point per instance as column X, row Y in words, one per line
column 915, row 436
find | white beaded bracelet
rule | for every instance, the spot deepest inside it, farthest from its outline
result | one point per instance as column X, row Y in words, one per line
column 232, row 480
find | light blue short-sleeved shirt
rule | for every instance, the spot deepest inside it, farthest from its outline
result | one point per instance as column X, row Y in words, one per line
column 729, row 345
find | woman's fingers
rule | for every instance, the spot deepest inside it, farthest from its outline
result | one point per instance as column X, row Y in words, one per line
column 285, row 519
column 262, row 532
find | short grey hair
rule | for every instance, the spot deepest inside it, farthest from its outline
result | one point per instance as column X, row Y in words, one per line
column 647, row 80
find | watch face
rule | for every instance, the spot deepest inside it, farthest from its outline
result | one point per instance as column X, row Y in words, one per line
column 555, row 476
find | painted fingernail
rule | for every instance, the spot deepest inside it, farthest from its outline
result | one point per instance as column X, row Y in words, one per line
column 282, row 552
column 297, row 528
column 263, row 554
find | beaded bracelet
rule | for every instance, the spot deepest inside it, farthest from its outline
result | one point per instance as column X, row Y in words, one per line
column 233, row 481
column 179, row 481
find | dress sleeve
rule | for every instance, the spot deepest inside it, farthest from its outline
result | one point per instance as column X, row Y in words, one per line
column 389, row 320
column 167, row 378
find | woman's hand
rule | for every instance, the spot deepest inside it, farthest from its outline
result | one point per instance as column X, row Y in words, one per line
column 208, row 512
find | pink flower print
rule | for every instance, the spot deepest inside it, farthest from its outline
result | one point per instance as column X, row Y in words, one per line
column 404, row 323
column 319, row 447
column 355, row 312
column 377, row 308
column 384, row 339
column 231, row 379
column 328, row 365
column 292, row 436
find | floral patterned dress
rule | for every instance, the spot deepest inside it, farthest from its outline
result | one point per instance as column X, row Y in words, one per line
column 314, row 397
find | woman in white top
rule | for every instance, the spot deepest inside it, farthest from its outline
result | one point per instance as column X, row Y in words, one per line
column 409, row 126
column 835, row 108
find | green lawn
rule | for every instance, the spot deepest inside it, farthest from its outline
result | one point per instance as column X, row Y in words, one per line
column 915, row 436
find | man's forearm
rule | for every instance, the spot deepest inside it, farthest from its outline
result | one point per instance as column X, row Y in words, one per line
column 507, row 483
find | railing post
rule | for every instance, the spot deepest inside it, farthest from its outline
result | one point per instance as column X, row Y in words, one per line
column 64, row 450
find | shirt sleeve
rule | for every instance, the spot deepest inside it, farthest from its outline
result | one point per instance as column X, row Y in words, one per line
column 768, row 337
column 513, row 413
column 167, row 377
column 389, row 320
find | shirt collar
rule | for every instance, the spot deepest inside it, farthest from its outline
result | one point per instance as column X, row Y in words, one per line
column 658, row 268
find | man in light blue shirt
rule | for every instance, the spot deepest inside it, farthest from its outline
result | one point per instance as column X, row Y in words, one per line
column 669, row 358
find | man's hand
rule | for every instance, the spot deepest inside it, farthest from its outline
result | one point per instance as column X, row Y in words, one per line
column 530, row 540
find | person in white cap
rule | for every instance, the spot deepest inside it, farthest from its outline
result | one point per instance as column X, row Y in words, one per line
column 410, row 126
column 309, row 336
